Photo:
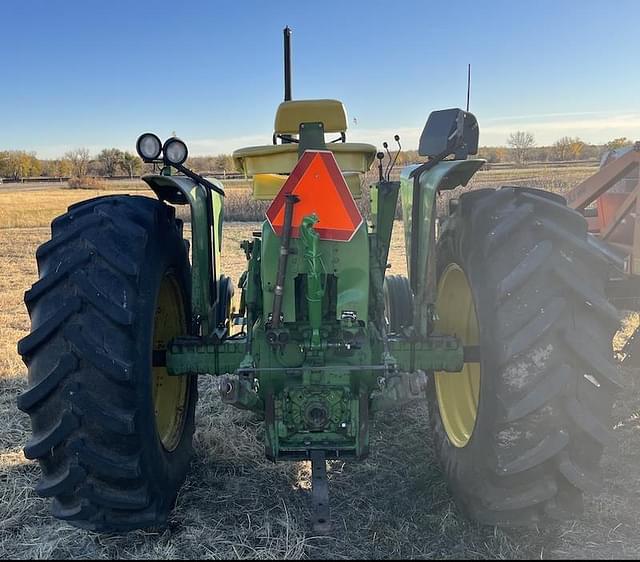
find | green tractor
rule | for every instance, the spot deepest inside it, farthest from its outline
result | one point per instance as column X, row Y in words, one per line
column 502, row 326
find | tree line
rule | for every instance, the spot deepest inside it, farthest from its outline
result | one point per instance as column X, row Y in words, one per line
column 18, row 164
column 520, row 148
column 80, row 163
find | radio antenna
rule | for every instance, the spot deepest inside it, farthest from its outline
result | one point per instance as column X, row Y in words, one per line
column 468, row 84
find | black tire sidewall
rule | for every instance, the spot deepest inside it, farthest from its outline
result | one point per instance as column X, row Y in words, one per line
column 524, row 465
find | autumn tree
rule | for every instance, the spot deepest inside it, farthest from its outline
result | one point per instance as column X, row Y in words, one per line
column 493, row 154
column 56, row 168
column 501, row 154
column 63, row 168
column 78, row 159
column 18, row 164
column 620, row 142
column 407, row 157
column 576, row 148
column 568, row 148
column 521, row 143
column 131, row 164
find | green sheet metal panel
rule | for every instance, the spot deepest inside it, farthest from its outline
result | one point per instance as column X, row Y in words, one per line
column 348, row 261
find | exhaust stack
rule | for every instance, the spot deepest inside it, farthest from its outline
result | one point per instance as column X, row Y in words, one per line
column 287, row 63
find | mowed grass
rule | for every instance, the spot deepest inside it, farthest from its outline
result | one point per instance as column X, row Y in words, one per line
column 22, row 209
column 36, row 208
column 533, row 172
column 19, row 209
column 235, row 504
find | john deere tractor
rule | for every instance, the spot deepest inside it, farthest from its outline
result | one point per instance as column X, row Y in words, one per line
column 501, row 326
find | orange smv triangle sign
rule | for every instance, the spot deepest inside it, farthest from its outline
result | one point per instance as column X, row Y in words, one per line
column 321, row 189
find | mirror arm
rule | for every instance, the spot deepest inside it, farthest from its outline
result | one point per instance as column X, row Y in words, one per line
column 198, row 178
column 429, row 164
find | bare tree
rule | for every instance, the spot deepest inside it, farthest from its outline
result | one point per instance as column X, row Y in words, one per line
column 224, row 162
column 111, row 160
column 79, row 159
column 561, row 148
column 521, row 142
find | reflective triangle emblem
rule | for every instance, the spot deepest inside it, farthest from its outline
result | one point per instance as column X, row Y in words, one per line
column 321, row 188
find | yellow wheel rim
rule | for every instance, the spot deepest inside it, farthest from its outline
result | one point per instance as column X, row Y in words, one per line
column 458, row 393
column 170, row 394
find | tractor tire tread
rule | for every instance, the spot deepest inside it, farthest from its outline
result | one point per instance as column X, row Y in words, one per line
column 539, row 438
column 83, row 360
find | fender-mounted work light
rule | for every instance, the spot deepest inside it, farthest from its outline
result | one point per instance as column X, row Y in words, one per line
column 148, row 147
column 175, row 151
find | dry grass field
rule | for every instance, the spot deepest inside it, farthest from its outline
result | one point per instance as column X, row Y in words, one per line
column 237, row 505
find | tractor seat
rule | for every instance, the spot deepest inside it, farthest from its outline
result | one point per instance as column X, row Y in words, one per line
column 331, row 113
column 270, row 164
column 267, row 186
column 281, row 158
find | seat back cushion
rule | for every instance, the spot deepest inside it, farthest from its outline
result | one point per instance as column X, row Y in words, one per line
column 331, row 113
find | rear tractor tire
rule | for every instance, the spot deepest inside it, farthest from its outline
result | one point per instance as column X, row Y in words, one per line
column 111, row 430
column 398, row 303
column 520, row 435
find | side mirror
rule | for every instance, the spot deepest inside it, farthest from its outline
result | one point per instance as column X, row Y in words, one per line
column 449, row 131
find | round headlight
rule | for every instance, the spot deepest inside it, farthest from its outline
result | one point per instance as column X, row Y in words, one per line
column 148, row 146
column 175, row 151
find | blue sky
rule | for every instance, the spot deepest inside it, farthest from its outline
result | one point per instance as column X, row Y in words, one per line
column 97, row 73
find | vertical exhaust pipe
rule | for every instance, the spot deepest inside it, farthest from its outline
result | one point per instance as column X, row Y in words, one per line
column 287, row 63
